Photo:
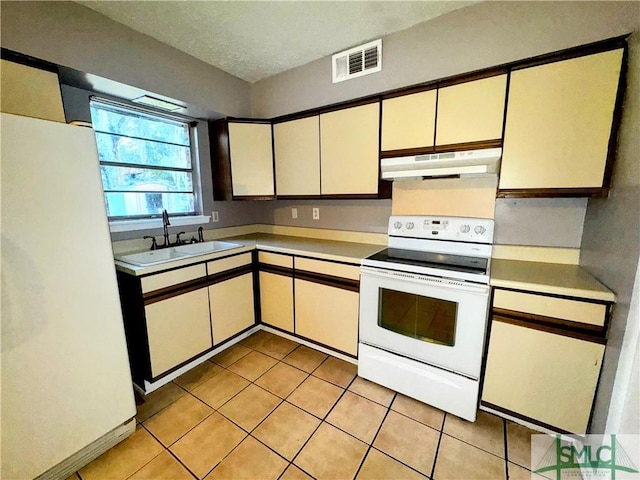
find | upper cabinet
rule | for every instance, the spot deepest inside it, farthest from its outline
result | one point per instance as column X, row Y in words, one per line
column 408, row 121
column 559, row 126
column 250, row 150
column 349, row 142
column 469, row 114
column 241, row 159
column 31, row 92
column 471, row 111
column 296, row 146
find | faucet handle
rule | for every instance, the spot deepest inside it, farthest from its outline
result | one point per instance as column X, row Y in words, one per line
column 154, row 245
column 178, row 241
column 200, row 235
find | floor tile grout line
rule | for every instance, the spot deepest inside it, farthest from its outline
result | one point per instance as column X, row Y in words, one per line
column 151, row 459
column 506, row 449
column 472, row 445
column 370, row 446
column 322, row 420
column 180, row 462
column 435, row 456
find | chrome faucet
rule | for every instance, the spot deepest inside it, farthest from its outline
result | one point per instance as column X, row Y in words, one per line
column 165, row 227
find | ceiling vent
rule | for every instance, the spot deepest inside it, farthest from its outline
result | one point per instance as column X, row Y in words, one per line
column 357, row 61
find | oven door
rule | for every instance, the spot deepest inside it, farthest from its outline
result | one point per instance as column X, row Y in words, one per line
column 430, row 319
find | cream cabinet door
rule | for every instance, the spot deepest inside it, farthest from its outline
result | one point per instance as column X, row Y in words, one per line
column 544, row 376
column 178, row 329
column 327, row 315
column 232, row 307
column 276, row 300
column 350, row 150
column 409, row 121
column 558, row 124
column 297, row 156
column 471, row 111
column 251, row 155
column 30, row 92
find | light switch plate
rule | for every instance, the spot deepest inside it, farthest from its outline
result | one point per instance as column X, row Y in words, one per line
column 316, row 213
column 294, row 212
column 215, row 217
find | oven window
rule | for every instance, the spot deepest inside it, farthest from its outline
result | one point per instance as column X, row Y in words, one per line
column 428, row 319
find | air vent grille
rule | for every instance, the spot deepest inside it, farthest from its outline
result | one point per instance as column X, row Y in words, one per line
column 357, row 61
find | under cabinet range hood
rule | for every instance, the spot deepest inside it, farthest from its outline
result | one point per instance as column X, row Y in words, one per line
column 472, row 162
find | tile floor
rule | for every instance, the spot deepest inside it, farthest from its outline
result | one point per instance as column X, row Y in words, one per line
column 269, row 408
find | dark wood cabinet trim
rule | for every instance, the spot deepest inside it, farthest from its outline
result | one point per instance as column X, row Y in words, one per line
column 555, row 326
column 407, row 152
column 472, row 76
column 275, row 269
column 356, row 196
column 135, row 326
column 328, row 280
column 573, row 52
column 174, row 290
column 298, row 197
column 556, row 295
column 524, row 417
column 615, row 124
column 401, row 92
column 253, row 197
column 461, row 147
column 220, row 160
column 229, row 274
column 551, row 192
column 27, row 60
column 248, row 120
column 597, row 330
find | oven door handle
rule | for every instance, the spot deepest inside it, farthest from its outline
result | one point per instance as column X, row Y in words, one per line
column 458, row 285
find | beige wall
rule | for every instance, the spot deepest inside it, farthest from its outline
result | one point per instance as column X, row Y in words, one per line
column 611, row 238
column 72, row 35
column 479, row 36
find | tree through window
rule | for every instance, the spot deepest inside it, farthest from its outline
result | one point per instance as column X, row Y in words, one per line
column 145, row 162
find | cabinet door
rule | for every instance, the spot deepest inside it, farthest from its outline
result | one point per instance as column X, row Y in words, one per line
column 327, row 315
column 349, row 145
column 178, row 329
column 547, row 377
column 409, row 121
column 297, row 156
column 31, row 92
column 231, row 307
column 471, row 111
column 251, row 159
column 276, row 300
column 558, row 123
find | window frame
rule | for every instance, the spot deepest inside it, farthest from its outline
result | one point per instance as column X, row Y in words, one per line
column 139, row 222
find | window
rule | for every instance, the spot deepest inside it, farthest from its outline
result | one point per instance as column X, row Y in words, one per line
column 146, row 162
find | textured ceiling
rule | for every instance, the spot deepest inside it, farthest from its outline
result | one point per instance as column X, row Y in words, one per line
column 254, row 40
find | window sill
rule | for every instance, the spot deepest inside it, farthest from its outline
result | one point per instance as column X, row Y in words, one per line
column 146, row 224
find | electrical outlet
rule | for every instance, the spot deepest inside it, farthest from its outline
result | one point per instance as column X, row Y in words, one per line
column 316, row 213
column 294, row 212
column 215, row 217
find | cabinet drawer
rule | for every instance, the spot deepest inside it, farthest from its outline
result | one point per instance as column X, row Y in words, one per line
column 174, row 277
column 328, row 268
column 228, row 263
column 276, row 259
column 573, row 310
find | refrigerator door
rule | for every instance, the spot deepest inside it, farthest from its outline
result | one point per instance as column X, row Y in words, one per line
column 65, row 372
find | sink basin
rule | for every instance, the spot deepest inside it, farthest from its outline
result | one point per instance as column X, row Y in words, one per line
column 205, row 247
column 152, row 257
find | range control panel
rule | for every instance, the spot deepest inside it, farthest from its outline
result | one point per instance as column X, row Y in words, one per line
column 462, row 229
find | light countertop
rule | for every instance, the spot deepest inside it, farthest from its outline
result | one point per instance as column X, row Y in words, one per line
column 338, row 251
column 553, row 278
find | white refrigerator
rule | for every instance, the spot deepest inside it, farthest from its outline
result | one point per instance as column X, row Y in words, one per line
column 66, row 386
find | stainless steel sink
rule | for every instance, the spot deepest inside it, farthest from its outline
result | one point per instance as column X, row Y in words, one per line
column 164, row 255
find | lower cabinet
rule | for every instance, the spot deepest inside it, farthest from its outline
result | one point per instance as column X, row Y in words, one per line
column 544, row 359
column 327, row 315
column 232, row 308
column 178, row 329
column 276, row 300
